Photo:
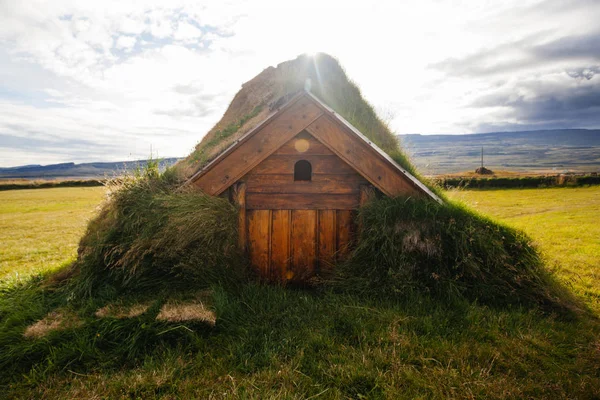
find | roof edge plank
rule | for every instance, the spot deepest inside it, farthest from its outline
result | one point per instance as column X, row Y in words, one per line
column 307, row 112
column 380, row 153
column 256, row 145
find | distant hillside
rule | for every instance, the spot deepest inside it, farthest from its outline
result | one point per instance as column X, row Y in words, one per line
column 72, row 170
column 536, row 151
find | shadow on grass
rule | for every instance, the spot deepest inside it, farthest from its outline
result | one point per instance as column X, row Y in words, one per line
column 277, row 341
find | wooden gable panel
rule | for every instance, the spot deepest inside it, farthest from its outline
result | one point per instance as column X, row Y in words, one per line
column 334, row 184
column 284, row 164
column 254, row 148
column 360, row 156
column 315, row 147
column 284, row 183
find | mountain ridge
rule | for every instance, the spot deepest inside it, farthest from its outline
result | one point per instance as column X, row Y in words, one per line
column 576, row 150
column 81, row 170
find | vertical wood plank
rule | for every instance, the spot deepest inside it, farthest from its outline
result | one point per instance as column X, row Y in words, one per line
column 304, row 230
column 344, row 232
column 280, row 244
column 239, row 198
column 327, row 240
column 258, row 239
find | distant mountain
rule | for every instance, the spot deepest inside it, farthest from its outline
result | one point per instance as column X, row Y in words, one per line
column 536, row 151
column 81, row 171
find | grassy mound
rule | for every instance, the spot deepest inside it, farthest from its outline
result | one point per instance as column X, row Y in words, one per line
column 409, row 245
column 153, row 230
column 149, row 231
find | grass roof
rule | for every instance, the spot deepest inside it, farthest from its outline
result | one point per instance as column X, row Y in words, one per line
column 273, row 87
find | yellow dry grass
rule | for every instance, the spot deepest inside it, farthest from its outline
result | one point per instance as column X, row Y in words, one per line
column 120, row 311
column 59, row 319
column 191, row 311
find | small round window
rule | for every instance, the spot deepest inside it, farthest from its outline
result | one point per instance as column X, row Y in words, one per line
column 302, row 171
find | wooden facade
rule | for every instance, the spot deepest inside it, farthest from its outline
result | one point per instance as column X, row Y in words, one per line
column 298, row 178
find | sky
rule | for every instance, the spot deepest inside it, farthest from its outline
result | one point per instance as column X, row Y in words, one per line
column 84, row 81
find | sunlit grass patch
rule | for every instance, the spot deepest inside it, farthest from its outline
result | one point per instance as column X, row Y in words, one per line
column 120, row 311
column 40, row 228
column 188, row 311
column 562, row 221
column 55, row 320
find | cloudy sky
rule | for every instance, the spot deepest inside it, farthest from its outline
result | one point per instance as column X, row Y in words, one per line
column 120, row 80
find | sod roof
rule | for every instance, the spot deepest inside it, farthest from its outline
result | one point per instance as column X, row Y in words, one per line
column 273, row 87
column 403, row 184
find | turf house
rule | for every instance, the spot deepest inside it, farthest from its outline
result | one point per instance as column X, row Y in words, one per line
column 302, row 182
column 297, row 179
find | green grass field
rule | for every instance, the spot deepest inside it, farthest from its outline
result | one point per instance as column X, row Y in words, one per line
column 40, row 228
column 271, row 342
column 564, row 224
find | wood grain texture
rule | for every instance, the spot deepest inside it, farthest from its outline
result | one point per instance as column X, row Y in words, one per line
column 284, row 164
column 314, row 146
column 300, row 201
column 327, row 240
column 293, row 245
column 304, row 244
column 259, row 223
column 361, row 157
column 252, row 150
column 284, row 183
column 280, row 244
column 345, row 229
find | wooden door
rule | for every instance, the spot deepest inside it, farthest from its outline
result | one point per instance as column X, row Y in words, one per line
column 294, row 245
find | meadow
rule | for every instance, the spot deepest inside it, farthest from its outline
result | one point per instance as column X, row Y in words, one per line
column 295, row 343
column 563, row 222
column 40, row 228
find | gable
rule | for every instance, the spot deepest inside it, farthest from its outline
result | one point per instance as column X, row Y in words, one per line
column 256, row 145
column 333, row 183
column 306, row 113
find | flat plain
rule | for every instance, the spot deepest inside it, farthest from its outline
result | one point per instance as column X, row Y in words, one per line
column 563, row 222
column 40, row 228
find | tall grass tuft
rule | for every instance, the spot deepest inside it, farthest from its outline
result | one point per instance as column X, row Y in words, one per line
column 148, row 232
column 407, row 245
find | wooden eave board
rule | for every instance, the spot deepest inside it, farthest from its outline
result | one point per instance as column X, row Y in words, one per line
column 241, row 140
column 375, row 149
column 284, row 124
column 257, row 145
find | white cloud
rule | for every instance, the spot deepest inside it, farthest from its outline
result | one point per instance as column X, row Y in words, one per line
column 125, row 42
column 125, row 75
column 187, row 31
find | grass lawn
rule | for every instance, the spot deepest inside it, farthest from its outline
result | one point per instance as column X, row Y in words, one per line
column 270, row 342
column 40, row 228
column 564, row 222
